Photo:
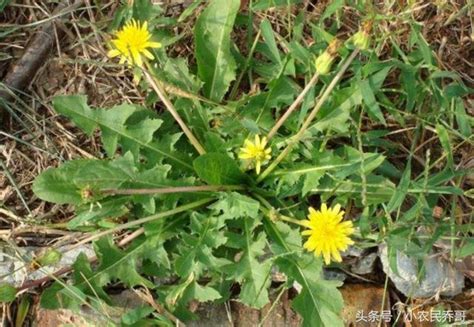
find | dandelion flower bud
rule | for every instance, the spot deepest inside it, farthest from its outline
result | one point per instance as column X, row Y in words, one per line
column 324, row 62
column 362, row 38
column 50, row 257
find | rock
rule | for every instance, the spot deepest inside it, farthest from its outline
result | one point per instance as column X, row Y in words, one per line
column 365, row 265
column 334, row 275
column 440, row 277
column 106, row 316
column 15, row 268
column 353, row 251
column 466, row 266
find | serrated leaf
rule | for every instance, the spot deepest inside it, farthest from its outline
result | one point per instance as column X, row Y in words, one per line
column 202, row 293
column 467, row 249
column 83, row 274
column 56, row 297
column 196, row 250
column 114, row 127
column 319, row 302
column 234, row 205
column 66, row 184
column 177, row 72
column 462, row 118
column 311, row 181
column 116, row 264
column 218, row 169
column 135, row 315
column 253, row 274
column 216, row 65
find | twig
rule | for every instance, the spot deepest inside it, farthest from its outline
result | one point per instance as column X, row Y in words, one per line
column 23, row 71
column 295, row 139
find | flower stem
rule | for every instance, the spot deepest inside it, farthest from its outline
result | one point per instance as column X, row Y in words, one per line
column 162, row 95
column 296, row 138
column 293, row 106
column 272, row 214
column 235, row 88
column 183, row 208
column 291, row 220
column 178, row 189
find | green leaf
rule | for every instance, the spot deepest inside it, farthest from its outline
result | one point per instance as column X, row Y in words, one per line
column 235, row 205
column 3, row 4
column 67, row 184
column 57, row 185
column 467, row 249
column 370, row 101
column 109, row 208
column 189, row 10
column 333, row 6
column 216, row 65
column 202, row 293
column 56, row 297
column 252, row 273
column 319, row 302
column 115, row 129
column 445, row 143
column 269, row 38
column 83, row 274
column 424, row 46
column 118, row 264
column 75, row 107
column 463, row 120
column 218, row 169
column 311, row 181
column 137, row 314
column 145, row 10
column 266, row 4
column 400, row 193
column 7, row 293
column 177, row 72
column 196, row 249
column 114, row 264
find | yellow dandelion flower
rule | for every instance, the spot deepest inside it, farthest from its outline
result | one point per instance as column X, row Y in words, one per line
column 133, row 41
column 328, row 235
column 255, row 151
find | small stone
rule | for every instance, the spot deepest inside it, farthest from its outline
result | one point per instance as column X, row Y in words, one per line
column 352, row 251
column 334, row 275
column 365, row 265
column 15, row 268
column 439, row 276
